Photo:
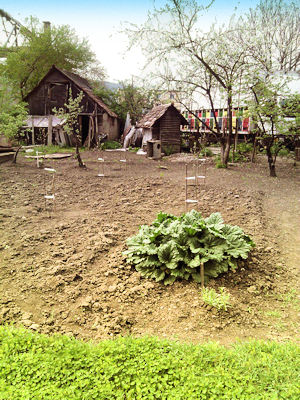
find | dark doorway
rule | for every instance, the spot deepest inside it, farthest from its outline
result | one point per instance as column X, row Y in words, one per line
column 84, row 128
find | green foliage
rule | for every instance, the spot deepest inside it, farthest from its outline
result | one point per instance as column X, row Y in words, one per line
column 174, row 247
column 51, row 149
column 34, row 366
column 70, row 112
column 13, row 113
column 221, row 300
column 238, row 157
column 284, row 152
column 111, row 144
column 168, row 149
column 206, row 152
column 128, row 98
column 59, row 45
column 133, row 149
column 244, row 148
column 219, row 164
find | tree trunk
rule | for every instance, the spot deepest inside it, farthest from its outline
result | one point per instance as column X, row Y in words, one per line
column 227, row 150
column 271, row 162
column 78, row 156
column 254, row 149
column 222, row 143
column 14, row 161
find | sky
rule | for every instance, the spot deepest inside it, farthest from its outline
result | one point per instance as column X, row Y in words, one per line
column 100, row 22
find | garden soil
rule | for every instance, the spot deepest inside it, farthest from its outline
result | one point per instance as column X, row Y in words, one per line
column 62, row 271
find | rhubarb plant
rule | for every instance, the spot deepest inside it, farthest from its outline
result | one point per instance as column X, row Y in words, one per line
column 174, row 247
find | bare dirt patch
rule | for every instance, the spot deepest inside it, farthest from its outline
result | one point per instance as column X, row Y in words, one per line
column 66, row 273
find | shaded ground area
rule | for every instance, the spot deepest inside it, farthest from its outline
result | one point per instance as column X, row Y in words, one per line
column 64, row 272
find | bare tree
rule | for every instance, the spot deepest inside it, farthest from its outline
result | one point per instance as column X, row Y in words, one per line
column 171, row 38
column 271, row 34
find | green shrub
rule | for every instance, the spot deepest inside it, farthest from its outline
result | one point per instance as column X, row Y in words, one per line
column 284, row 152
column 37, row 367
column 134, row 149
column 220, row 301
column 174, row 247
column 51, row 149
column 244, row 148
column 206, row 152
column 168, row 150
column 111, row 145
column 219, row 164
column 238, row 157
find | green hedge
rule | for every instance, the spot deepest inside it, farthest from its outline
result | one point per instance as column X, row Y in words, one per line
column 34, row 366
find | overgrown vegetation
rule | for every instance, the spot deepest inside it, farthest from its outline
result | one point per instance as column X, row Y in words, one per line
column 70, row 112
column 175, row 247
column 35, row 366
column 51, row 149
column 110, row 144
column 220, row 301
column 129, row 97
column 13, row 114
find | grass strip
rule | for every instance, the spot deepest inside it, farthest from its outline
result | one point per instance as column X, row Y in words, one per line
column 39, row 367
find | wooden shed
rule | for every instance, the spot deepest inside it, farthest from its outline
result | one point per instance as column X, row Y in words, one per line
column 163, row 123
column 52, row 92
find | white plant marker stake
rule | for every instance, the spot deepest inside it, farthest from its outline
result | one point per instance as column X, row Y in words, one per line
column 189, row 178
column 37, row 159
column 124, row 160
column 51, row 195
column 101, row 173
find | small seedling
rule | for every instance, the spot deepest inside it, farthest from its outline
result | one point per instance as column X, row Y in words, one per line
column 220, row 301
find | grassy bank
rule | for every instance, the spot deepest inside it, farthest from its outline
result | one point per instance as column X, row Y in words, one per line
column 34, row 366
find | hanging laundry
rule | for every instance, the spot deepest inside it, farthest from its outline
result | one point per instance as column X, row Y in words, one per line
column 240, row 123
column 233, row 122
column 246, row 125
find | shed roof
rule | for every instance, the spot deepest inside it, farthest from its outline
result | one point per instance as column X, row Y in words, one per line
column 148, row 120
column 82, row 84
column 40, row 121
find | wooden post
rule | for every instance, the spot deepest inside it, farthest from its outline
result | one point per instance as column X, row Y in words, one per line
column 186, row 194
column 32, row 130
column 202, row 274
column 97, row 130
column 196, row 182
column 49, row 130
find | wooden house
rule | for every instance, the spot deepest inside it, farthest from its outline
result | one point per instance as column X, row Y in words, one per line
column 96, row 118
column 163, row 123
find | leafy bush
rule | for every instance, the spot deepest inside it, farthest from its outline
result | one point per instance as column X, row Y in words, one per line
column 221, row 301
column 238, row 157
column 244, row 148
column 174, row 247
column 206, row 152
column 168, row 150
column 134, row 149
column 219, row 164
column 284, row 152
column 38, row 367
column 111, row 145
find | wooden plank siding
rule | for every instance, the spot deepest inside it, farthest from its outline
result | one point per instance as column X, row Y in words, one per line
column 53, row 92
column 170, row 130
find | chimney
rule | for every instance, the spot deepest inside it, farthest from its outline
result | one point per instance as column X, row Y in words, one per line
column 47, row 25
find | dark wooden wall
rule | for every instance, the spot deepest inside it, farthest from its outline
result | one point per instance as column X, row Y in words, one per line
column 53, row 93
column 169, row 127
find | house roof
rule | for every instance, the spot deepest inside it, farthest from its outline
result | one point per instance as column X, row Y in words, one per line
column 148, row 120
column 82, row 84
